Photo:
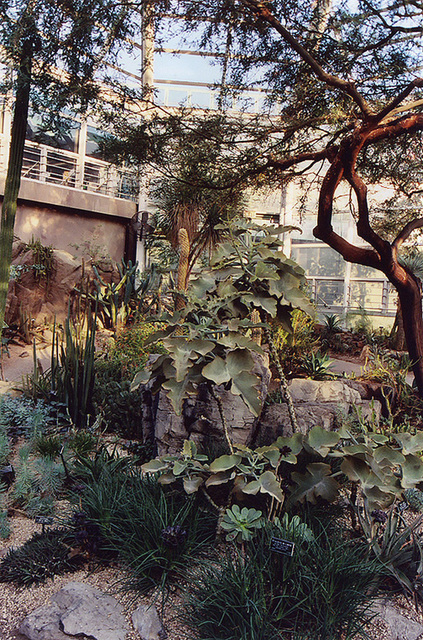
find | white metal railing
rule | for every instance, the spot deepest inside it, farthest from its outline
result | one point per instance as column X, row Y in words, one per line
column 336, row 295
column 61, row 167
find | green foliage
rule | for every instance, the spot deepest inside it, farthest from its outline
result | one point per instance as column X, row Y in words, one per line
column 316, row 366
column 247, row 272
column 91, row 468
column 381, row 467
column 48, row 446
column 23, row 416
column 292, row 345
column 43, row 259
column 396, row 545
column 241, row 524
column 5, row 448
column 43, row 556
column 83, row 443
column 131, row 347
column 76, row 372
column 38, row 483
column 259, row 595
column 157, row 534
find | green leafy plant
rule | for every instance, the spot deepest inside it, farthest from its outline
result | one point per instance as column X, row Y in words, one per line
column 43, row 556
column 396, row 545
column 414, row 497
column 316, row 365
column 379, row 467
column 23, row 416
column 77, row 372
column 157, row 534
column 248, row 273
column 38, row 483
column 241, row 524
column 43, row 259
column 256, row 594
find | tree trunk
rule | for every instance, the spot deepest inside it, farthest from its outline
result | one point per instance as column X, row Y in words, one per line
column 397, row 334
column 13, row 178
column 410, row 296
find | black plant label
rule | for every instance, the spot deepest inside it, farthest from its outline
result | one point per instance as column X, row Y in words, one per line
column 279, row 545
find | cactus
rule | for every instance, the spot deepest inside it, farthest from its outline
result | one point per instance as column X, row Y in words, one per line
column 414, row 497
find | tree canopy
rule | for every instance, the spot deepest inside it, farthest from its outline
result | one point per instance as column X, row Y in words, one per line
column 342, row 96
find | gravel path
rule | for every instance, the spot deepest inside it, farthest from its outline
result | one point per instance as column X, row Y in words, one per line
column 16, row 603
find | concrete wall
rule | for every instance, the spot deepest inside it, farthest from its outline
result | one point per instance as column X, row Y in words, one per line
column 84, row 224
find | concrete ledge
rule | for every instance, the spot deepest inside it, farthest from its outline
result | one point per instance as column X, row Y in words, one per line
column 61, row 196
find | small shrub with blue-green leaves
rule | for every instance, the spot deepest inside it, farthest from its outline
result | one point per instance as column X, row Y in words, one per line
column 23, row 417
column 43, row 556
column 38, row 483
column 414, row 497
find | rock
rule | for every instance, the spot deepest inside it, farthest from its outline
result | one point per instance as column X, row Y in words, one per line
column 78, row 610
column 306, row 390
column 400, row 627
column 148, row 624
column 43, row 624
column 200, row 420
column 9, row 388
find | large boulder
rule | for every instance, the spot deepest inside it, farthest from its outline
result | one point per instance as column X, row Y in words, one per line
column 77, row 611
column 41, row 299
column 200, row 419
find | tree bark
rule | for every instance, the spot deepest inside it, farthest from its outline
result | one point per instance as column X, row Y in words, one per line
column 13, row 177
column 410, row 299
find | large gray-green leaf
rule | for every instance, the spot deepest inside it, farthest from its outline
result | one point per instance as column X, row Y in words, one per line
column 238, row 361
column 223, row 463
column 191, row 485
column 317, row 482
column 410, row 443
column 321, row 440
column 153, row 466
column 142, row 377
column 412, row 471
column 245, row 385
column 216, row 371
column 270, row 484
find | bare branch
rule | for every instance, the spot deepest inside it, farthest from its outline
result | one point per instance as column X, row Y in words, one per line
column 405, row 233
column 417, row 82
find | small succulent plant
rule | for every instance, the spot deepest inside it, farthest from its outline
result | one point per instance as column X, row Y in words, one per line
column 414, row 497
column 242, row 524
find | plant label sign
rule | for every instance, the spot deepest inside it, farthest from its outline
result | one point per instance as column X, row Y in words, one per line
column 285, row 547
column 44, row 520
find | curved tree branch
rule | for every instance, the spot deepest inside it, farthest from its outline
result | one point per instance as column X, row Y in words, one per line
column 324, row 230
column 258, row 7
column 406, row 231
column 416, row 83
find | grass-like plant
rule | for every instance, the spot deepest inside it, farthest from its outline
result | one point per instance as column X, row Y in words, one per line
column 42, row 556
column 158, row 534
column 324, row 591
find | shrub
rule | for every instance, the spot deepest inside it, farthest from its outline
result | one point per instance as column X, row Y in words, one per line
column 23, row 417
column 130, row 350
column 120, row 408
column 42, row 556
column 38, row 483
